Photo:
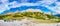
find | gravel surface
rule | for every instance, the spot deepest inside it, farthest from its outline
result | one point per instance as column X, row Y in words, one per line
column 25, row 23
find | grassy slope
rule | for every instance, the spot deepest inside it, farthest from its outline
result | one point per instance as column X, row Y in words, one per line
column 39, row 17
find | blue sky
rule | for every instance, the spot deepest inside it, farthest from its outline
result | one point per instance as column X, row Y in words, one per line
column 44, row 5
column 30, row 1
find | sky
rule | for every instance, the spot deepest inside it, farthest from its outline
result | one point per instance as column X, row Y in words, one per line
column 46, row 6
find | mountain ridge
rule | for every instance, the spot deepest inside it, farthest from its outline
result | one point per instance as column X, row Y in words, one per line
column 22, row 15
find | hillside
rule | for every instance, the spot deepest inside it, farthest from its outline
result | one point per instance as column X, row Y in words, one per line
column 38, row 17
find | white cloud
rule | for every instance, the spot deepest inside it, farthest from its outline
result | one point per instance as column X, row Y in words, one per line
column 4, row 5
column 16, row 4
column 31, row 10
column 56, row 9
column 47, row 12
column 44, row 3
column 4, row 1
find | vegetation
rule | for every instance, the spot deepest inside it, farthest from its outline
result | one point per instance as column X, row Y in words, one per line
column 36, row 15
